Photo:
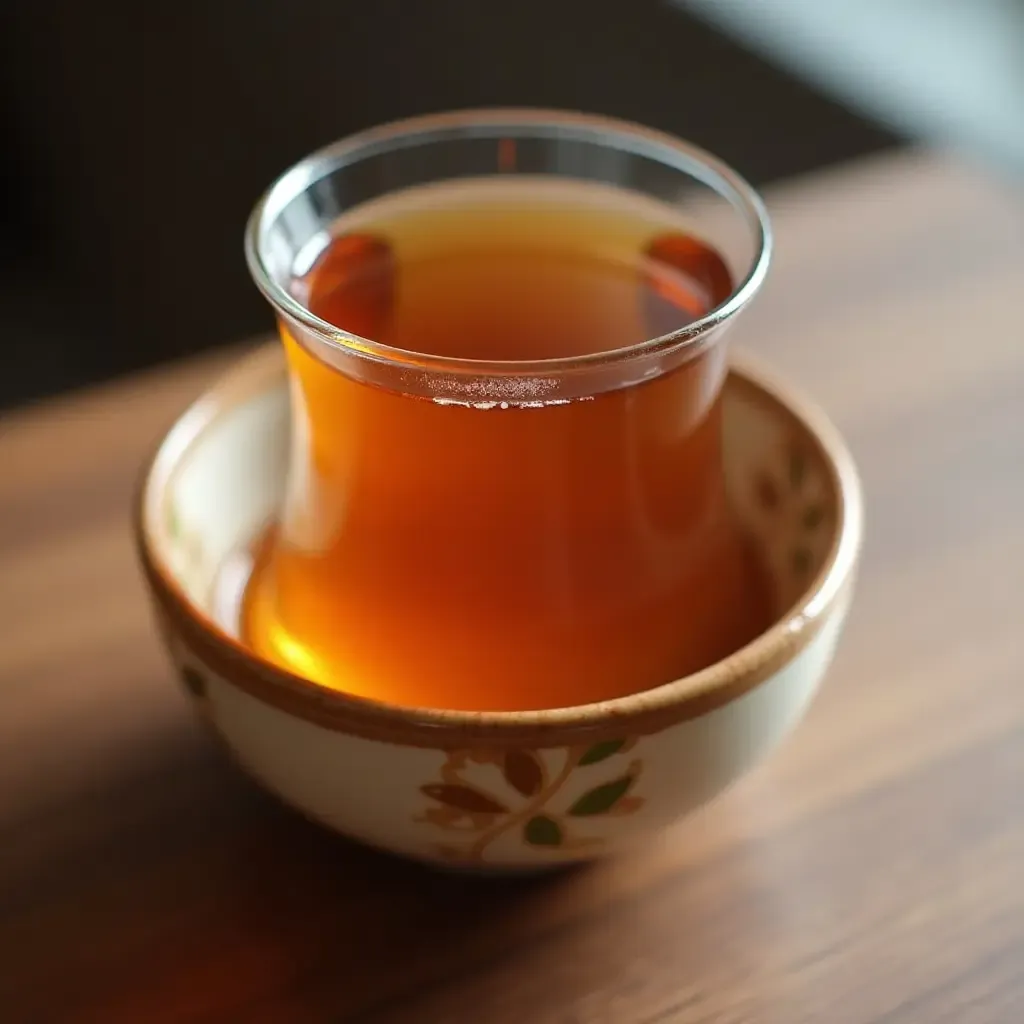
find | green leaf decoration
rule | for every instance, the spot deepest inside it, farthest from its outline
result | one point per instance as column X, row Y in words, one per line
column 601, row 799
column 463, row 798
column 542, row 831
column 601, row 751
column 523, row 772
column 194, row 681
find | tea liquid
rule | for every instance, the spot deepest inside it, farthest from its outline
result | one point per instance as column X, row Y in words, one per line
column 475, row 553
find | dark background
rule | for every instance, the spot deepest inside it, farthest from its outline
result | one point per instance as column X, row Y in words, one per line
column 137, row 139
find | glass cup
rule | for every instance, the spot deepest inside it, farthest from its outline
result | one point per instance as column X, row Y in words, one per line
column 503, row 534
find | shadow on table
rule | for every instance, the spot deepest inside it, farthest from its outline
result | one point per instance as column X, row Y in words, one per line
column 179, row 888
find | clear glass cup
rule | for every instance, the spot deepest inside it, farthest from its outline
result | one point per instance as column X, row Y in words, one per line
column 395, row 571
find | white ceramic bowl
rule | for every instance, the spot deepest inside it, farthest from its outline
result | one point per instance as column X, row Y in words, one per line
column 498, row 791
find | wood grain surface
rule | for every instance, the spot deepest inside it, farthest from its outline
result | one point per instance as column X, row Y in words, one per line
column 873, row 871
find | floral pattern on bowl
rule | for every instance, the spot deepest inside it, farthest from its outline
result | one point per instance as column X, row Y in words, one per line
column 482, row 794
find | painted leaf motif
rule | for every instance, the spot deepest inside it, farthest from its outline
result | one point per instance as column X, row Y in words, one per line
column 602, row 798
column 542, row 831
column 193, row 680
column 464, row 798
column 523, row 772
column 600, row 751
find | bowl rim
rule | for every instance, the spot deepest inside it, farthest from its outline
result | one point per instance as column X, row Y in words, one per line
column 644, row 712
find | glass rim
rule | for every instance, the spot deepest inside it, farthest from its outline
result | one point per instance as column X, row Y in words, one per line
column 625, row 136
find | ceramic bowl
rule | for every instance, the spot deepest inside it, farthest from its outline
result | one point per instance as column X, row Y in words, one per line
column 497, row 791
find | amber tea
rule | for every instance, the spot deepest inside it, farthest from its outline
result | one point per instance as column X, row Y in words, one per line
column 500, row 548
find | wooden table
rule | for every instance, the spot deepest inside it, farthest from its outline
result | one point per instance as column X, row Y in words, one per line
column 872, row 871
